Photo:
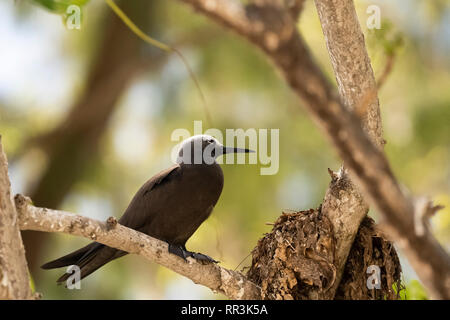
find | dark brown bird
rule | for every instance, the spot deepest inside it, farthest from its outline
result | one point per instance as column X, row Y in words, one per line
column 170, row 206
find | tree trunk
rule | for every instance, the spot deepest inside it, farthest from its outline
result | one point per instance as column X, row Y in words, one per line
column 14, row 278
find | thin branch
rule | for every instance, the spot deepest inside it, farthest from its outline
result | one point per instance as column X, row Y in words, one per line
column 295, row 7
column 230, row 283
column 367, row 163
column 386, row 70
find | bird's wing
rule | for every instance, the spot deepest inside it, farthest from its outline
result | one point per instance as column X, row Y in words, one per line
column 138, row 211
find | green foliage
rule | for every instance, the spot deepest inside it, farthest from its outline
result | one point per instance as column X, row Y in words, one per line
column 414, row 291
column 32, row 284
column 431, row 124
column 387, row 38
column 436, row 9
column 60, row 6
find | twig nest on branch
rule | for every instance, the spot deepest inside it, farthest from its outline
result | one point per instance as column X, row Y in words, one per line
column 295, row 257
column 296, row 261
column 371, row 250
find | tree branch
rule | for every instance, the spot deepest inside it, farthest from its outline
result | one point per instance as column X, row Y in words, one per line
column 343, row 203
column 230, row 283
column 295, row 7
column 351, row 62
column 14, row 278
column 271, row 29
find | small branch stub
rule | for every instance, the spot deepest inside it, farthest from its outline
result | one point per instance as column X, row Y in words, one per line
column 111, row 223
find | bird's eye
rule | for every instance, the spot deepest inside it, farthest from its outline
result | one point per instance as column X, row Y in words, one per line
column 210, row 141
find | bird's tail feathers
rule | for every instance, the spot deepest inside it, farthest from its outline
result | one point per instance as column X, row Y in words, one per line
column 88, row 259
column 71, row 258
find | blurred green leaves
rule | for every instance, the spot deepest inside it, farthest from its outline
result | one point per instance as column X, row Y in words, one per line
column 59, row 6
column 388, row 38
column 431, row 124
column 414, row 291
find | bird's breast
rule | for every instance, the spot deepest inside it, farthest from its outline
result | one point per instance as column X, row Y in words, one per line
column 203, row 184
column 188, row 201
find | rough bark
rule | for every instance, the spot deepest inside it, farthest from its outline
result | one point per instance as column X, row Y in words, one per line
column 14, row 278
column 345, row 207
column 351, row 64
column 270, row 28
column 230, row 283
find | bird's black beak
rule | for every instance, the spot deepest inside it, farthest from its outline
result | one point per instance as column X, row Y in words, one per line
column 226, row 150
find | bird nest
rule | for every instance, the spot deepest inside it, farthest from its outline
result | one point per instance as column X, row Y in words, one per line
column 296, row 261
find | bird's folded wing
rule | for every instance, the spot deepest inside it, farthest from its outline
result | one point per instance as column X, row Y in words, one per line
column 137, row 213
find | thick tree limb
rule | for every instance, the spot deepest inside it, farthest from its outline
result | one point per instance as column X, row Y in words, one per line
column 230, row 283
column 14, row 278
column 351, row 64
column 271, row 29
column 343, row 203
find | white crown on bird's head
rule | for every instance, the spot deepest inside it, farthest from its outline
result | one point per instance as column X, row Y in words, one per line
column 199, row 149
column 204, row 149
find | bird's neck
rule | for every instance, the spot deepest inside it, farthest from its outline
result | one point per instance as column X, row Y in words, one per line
column 193, row 165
